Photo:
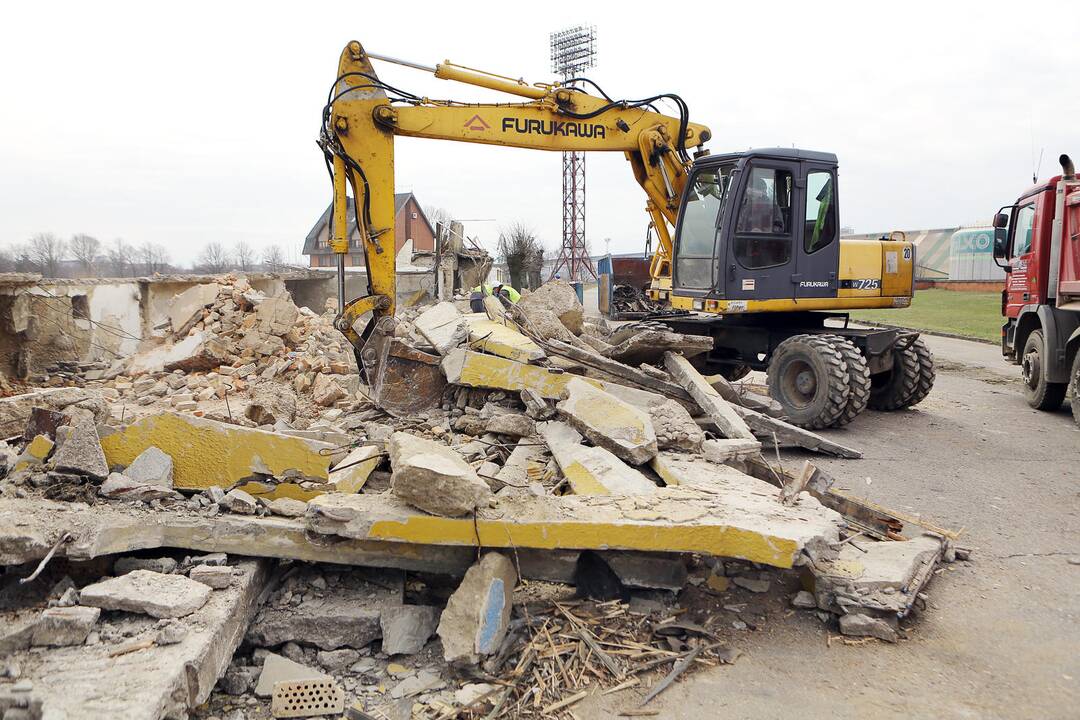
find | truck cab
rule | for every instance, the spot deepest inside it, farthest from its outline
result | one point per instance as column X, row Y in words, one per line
column 1037, row 242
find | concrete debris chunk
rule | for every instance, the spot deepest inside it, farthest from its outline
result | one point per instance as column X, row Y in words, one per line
column 287, row 507
column 350, row 475
column 277, row 669
column 61, row 626
column 434, row 478
column 515, row 424
column 536, row 406
column 164, row 565
column 276, row 315
column 327, row 390
column 15, row 410
column 16, row 636
column 608, row 422
column 753, row 584
column 238, row 501
column 151, row 467
column 198, row 352
column 591, row 470
column 423, row 681
column 406, row 628
column 147, row 592
column 860, row 625
column 442, row 326
column 218, row 578
column 188, row 305
column 499, row 339
column 804, row 600
column 271, row 403
column 34, row 454
column 560, row 298
column 659, row 571
column 675, row 429
column 81, row 453
column 477, row 614
column 726, row 450
column 649, row 345
column 170, row 632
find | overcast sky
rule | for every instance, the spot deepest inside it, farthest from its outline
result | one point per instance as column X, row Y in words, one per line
column 182, row 123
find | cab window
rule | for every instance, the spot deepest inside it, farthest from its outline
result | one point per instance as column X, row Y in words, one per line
column 1022, row 227
column 821, row 222
column 697, row 228
column 763, row 228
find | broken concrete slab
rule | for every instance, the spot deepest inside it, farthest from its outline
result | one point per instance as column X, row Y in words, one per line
column 155, row 682
column 271, row 403
column 217, row 577
column 705, row 395
column 199, row 352
column 151, row 467
column 187, row 306
column 725, row 450
column 560, row 298
column 608, row 422
column 478, row 613
column 511, row 423
column 147, row 592
column 350, row 475
column 346, row 615
column 731, row 515
column 34, row 454
column 434, row 478
column 164, row 565
column 496, row 338
column 81, row 452
column 658, row 571
column 206, row 452
column 860, row 625
column 536, row 406
column 120, row 487
column 515, row 471
column 287, row 507
column 62, row 626
column 406, row 628
column 276, row 315
column 239, row 501
column 591, row 470
column 15, row 410
column 442, row 326
column 277, row 669
column 650, row 345
column 474, row 369
column 772, row 428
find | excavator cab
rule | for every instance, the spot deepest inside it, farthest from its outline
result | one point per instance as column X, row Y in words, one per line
column 759, row 225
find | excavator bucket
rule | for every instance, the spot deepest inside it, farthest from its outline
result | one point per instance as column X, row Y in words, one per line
column 403, row 380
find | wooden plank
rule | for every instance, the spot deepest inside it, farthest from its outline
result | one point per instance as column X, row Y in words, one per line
column 708, row 399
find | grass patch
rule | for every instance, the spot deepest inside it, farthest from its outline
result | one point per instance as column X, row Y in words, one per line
column 970, row 314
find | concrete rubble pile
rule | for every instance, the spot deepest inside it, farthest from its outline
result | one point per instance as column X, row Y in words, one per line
column 225, row 521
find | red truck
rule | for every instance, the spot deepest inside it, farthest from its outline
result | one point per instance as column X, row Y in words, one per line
column 1037, row 241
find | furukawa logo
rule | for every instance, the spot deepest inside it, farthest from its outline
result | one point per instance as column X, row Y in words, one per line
column 553, row 127
column 477, row 123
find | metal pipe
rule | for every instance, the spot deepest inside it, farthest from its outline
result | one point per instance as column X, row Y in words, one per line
column 399, row 61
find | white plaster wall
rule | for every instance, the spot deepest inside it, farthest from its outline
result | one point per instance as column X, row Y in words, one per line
column 115, row 310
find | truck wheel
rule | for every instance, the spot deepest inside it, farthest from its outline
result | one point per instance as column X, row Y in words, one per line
column 735, row 372
column 1040, row 394
column 927, row 374
column 809, row 378
column 1075, row 375
column 892, row 390
column 858, row 379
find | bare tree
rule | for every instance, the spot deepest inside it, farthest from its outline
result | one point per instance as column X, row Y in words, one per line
column 519, row 246
column 85, row 249
column 244, row 254
column 272, row 257
column 7, row 259
column 213, row 258
column 121, row 258
column 47, row 251
column 154, row 257
column 23, row 262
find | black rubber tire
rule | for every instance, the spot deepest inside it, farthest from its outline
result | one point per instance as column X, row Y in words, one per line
column 809, row 378
column 735, row 372
column 1075, row 375
column 927, row 374
column 1040, row 394
column 891, row 390
column 858, row 379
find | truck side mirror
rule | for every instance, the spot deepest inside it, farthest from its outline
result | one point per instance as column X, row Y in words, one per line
column 1001, row 235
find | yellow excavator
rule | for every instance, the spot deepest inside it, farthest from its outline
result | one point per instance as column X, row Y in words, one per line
column 749, row 247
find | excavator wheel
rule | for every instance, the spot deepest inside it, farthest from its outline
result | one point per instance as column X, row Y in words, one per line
column 858, row 379
column 894, row 389
column 1075, row 375
column 735, row 372
column 1040, row 394
column 927, row 374
column 809, row 378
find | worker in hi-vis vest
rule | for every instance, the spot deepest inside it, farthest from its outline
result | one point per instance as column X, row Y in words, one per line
column 503, row 292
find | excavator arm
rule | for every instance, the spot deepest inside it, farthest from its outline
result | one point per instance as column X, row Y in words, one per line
column 363, row 115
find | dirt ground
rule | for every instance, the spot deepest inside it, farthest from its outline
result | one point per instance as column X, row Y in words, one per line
column 1001, row 637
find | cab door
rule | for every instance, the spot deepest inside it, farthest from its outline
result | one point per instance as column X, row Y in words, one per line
column 695, row 271
column 818, row 251
column 759, row 258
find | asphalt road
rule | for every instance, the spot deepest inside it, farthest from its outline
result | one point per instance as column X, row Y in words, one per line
column 1000, row 637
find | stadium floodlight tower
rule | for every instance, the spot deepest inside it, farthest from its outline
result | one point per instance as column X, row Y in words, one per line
column 572, row 51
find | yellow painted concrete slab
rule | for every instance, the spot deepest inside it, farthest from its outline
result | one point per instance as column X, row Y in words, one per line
column 474, row 369
column 736, row 521
column 591, row 470
column 355, row 469
column 35, row 452
column 498, row 339
column 206, row 452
